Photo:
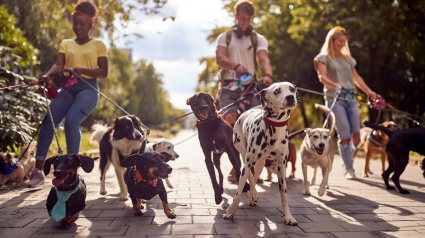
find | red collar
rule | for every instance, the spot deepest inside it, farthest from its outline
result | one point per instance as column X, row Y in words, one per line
column 199, row 122
column 273, row 123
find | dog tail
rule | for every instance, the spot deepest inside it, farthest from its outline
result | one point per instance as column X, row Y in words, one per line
column 99, row 131
column 331, row 120
column 381, row 128
column 296, row 133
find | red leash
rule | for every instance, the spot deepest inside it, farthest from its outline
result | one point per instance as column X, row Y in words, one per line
column 21, row 85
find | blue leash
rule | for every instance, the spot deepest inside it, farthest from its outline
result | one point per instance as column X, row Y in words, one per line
column 338, row 92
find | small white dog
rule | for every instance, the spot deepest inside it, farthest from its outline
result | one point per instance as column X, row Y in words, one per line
column 261, row 133
column 317, row 150
column 16, row 171
column 163, row 146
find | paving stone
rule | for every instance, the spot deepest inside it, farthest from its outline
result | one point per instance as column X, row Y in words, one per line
column 356, row 234
column 402, row 234
column 158, row 220
column 58, row 231
column 14, row 222
column 163, row 229
column 230, row 229
column 210, row 220
column 194, row 229
column 17, row 233
column 320, row 227
column 310, row 235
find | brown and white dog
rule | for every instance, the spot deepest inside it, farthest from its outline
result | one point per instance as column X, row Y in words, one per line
column 163, row 146
column 374, row 142
column 125, row 136
column 16, row 171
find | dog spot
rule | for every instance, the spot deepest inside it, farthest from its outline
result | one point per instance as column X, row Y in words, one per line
column 277, row 91
column 253, row 163
column 258, row 129
column 247, row 160
column 280, row 187
column 253, row 151
column 260, row 137
column 264, row 145
column 286, row 136
column 249, row 149
column 272, row 141
column 278, row 168
column 237, row 193
column 281, row 180
column 285, row 190
column 292, row 89
column 273, row 153
column 252, row 140
column 243, row 172
column 281, row 115
column 283, row 141
column 259, row 156
column 289, row 112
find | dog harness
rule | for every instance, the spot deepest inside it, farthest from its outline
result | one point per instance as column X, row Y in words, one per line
column 58, row 212
column 138, row 178
column 9, row 168
column 374, row 141
column 273, row 123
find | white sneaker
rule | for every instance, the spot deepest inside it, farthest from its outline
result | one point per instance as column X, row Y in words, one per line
column 350, row 175
column 37, row 178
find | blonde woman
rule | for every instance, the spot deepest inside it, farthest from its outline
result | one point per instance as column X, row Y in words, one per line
column 335, row 67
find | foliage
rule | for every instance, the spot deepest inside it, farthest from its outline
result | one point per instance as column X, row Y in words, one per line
column 208, row 78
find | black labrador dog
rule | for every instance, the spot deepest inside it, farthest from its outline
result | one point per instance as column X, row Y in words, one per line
column 398, row 147
column 68, row 197
column 144, row 179
column 215, row 135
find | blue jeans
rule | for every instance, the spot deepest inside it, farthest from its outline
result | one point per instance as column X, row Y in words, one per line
column 347, row 122
column 74, row 106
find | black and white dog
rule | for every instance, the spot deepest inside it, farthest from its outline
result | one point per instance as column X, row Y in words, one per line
column 261, row 133
column 125, row 136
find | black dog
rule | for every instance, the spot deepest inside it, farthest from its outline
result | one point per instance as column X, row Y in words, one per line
column 144, row 179
column 398, row 148
column 67, row 181
column 215, row 135
column 126, row 137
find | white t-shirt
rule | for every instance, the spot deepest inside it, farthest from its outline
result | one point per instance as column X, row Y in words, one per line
column 240, row 50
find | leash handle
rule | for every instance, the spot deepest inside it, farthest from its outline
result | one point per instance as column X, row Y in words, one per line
column 378, row 104
column 337, row 93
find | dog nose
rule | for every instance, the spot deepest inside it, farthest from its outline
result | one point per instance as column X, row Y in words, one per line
column 290, row 98
column 57, row 172
column 138, row 135
column 177, row 156
column 321, row 145
column 169, row 170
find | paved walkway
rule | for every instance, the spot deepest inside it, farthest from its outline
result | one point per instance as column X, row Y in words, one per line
column 361, row 208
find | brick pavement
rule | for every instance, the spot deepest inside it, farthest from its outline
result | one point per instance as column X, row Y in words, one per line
column 361, row 208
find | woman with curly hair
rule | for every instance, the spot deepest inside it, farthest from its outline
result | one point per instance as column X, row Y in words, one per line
column 87, row 56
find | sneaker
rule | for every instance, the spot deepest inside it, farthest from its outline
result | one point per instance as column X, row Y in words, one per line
column 232, row 176
column 350, row 175
column 37, row 178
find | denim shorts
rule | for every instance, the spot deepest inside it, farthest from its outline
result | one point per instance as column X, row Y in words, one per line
column 347, row 119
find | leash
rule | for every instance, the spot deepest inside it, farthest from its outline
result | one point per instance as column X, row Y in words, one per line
column 60, row 151
column 337, row 93
column 24, row 85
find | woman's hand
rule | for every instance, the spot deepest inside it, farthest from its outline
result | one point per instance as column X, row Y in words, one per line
column 45, row 77
column 78, row 71
column 372, row 95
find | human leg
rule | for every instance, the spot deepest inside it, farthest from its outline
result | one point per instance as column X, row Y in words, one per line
column 84, row 103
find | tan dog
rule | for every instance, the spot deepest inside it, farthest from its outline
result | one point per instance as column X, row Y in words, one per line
column 22, row 169
column 373, row 142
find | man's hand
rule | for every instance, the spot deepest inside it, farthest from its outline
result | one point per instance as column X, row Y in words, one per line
column 267, row 80
column 240, row 70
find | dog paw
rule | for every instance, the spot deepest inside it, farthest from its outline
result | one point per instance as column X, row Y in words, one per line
column 65, row 224
column 218, row 198
column 172, row 216
column 306, row 192
column 290, row 221
column 390, row 188
column 170, row 186
column 365, row 176
column 404, row 192
column 327, row 186
column 137, row 212
column 103, row 192
column 123, row 198
column 228, row 216
column 321, row 192
column 292, row 176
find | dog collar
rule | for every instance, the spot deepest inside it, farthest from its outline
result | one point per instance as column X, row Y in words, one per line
column 9, row 169
column 138, row 178
column 273, row 123
column 199, row 122
column 374, row 141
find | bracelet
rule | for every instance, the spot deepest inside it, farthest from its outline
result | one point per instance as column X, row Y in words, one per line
column 236, row 67
column 270, row 76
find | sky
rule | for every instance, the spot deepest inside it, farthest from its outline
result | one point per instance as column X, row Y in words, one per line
column 175, row 47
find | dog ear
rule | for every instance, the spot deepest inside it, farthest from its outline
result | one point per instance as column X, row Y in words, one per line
column 129, row 161
column 167, row 156
column 86, row 162
column 307, row 131
column 48, row 163
column 212, row 98
column 263, row 97
column 188, row 100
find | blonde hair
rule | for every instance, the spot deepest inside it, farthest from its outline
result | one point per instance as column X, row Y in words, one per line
column 328, row 48
column 244, row 6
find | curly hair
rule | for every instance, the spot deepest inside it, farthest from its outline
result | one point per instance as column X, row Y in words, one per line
column 87, row 7
column 245, row 6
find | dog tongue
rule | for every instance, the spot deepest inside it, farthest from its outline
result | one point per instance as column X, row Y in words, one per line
column 56, row 181
column 204, row 114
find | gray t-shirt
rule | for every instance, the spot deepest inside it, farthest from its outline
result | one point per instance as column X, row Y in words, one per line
column 339, row 70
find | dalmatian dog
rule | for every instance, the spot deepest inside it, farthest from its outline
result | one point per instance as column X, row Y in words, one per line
column 261, row 133
column 163, row 146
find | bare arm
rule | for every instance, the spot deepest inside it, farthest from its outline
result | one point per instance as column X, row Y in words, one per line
column 322, row 73
column 266, row 67
column 101, row 72
column 58, row 65
column 359, row 82
column 225, row 63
